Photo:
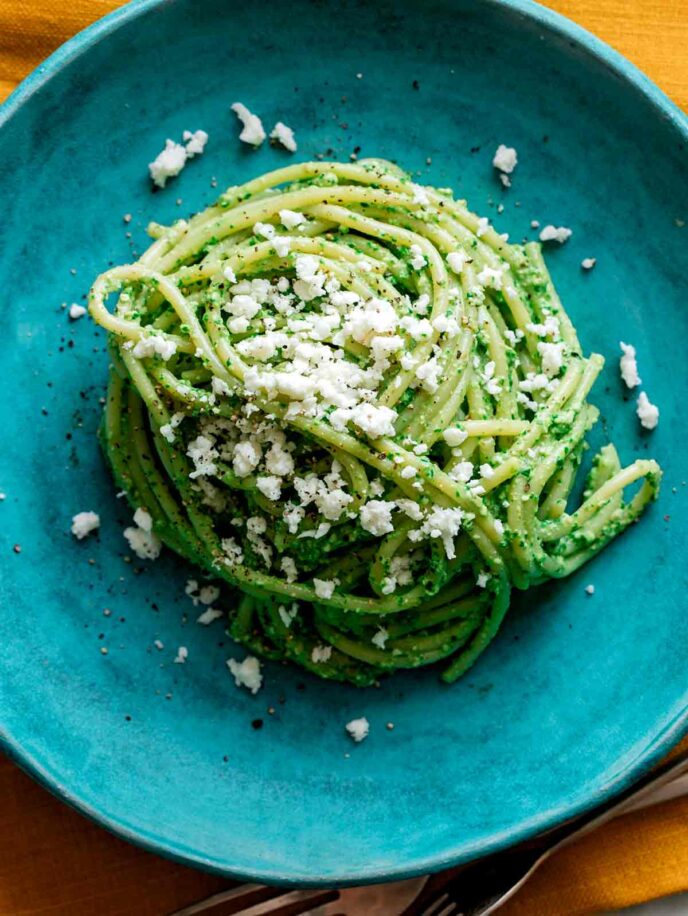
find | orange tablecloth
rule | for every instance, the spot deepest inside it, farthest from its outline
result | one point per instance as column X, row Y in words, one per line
column 53, row 862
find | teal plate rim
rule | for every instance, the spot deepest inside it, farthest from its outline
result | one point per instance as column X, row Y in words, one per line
column 553, row 23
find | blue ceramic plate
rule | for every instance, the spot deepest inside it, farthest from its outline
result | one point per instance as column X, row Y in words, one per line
column 578, row 694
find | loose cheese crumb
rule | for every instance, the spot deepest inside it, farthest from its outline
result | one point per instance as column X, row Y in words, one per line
column 209, row 616
column 195, row 142
column 284, row 135
column 590, row 589
column 168, row 163
column 247, row 673
column 145, row 544
column 555, row 234
column 505, row 159
column 648, row 413
column 358, row 729
column 252, row 131
column 588, row 263
column 628, row 365
column 84, row 523
column 143, row 519
column 76, row 311
column 181, row 656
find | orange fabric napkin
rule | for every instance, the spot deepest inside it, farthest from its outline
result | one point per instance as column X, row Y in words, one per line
column 53, row 861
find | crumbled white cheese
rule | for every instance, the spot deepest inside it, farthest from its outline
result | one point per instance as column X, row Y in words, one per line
column 168, row 163
column 629, row 366
column 420, row 195
column 588, row 263
column 282, row 246
column 284, row 135
column 428, row 374
column 408, row 472
column 229, row 275
column 555, row 234
column 493, row 385
column 266, row 230
column 324, row 588
column 252, row 131
column 145, row 544
column 648, row 413
column 290, row 219
column 380, row 638
column 159, row 644
column 247, row 455
column 376, row 517
column 410, row 508
column 454, row 436
column 288, row 567
column 548, row 328
column 247, row 673
column 181, row 656
column 441, row 523
column 482, row 227
column 167, row 429
column 358, row 729
column 321, row 654
column 372, row 420
column 457, row 261
column 209, row 616
column 505, row 159
column 143, row 519
column 482, row 580
column 590, row 589
column 418, row 260
column 154, row 345
column 287, row 614
column 552, row 357
column 490, row 276
column 84, row 523
column 203, row 453
column 195, row 142
column 76, row 311
column 270, row 487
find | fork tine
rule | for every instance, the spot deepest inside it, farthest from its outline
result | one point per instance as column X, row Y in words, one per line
column 236, row 900
column 441, row 906
column 260, row 900
column 434, row 907
column 291, row 903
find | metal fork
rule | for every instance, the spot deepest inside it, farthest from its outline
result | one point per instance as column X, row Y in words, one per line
column 483, row 886
column 260, row 900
